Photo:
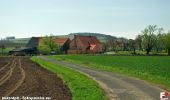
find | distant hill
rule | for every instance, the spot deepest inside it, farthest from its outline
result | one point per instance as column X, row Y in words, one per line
column 101, row 37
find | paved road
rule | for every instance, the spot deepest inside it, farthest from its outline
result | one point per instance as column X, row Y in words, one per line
column 123, row 87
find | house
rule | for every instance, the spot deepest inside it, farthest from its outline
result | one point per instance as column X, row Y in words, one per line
column 62, row 42
column 85, row 44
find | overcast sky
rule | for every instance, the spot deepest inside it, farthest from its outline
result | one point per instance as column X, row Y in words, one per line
column 122, row 18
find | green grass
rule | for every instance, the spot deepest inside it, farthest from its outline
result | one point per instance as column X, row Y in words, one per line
column 155, row 69
column 82, row 87
column 153, row 52
column 5, row 51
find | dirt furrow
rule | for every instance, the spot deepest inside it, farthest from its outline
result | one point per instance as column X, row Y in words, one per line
column 30, row 80
column 8, row 74
column 18, row 84
column 12, row 78
column 5, row 66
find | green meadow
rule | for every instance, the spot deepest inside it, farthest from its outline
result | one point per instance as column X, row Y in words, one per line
column 155, row 69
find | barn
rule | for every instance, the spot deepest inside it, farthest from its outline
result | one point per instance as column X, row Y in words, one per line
column 85, row 44
column 23, row 51
column 62, row 42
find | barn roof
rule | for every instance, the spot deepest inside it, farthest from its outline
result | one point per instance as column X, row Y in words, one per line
column 88, row 40
column 34, row 41
column 61, row 41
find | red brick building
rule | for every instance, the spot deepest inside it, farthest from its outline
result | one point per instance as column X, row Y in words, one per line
column 85, row 44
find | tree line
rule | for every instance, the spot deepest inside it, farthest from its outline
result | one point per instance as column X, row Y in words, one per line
column 151, row 38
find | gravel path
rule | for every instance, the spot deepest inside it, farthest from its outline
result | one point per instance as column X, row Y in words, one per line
column 120, row 87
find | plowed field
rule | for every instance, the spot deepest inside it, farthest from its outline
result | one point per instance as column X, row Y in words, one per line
column 22, row 78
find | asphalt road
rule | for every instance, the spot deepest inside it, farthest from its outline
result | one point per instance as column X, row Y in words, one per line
column 119, row 86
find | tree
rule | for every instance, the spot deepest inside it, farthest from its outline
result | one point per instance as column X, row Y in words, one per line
column 44, row 49
column 149, row 38
column 132, row 45
column 139, row 42
column 49, row 45
column 111, row 45
column 167, row 42
column 159, row 45
column 105, row 46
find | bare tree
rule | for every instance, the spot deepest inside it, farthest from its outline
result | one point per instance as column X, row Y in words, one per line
column 139, row 42
column 132, row 45
column 111, row 45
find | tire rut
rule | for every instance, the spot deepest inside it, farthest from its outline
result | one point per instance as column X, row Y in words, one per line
column 19, row 83
column 11, row 81
column 8, row 74
column 5, row 66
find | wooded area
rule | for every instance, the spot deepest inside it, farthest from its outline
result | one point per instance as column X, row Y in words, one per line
column 151, row 38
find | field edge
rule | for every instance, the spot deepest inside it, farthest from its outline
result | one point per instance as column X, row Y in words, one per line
column 87, row 90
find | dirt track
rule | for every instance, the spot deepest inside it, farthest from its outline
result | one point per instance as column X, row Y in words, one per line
column 21, row 77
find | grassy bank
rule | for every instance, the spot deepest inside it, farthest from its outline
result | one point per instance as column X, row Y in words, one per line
column 155, row 69
column 82, row 88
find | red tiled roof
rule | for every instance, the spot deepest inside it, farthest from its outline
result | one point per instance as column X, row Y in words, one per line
column 61, row 41
column 88, row 40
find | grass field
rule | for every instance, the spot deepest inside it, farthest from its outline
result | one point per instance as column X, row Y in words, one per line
column 6, row 50
column 155, row 69
column 153, row 52
column 82, row 88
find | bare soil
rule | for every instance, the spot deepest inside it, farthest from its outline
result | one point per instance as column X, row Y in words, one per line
column 21, row 77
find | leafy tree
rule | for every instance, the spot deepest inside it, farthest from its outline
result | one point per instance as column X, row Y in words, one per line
column 167, row 42
column 149, row 38
column 49, row 45
column 44, row 49
column 159, row 43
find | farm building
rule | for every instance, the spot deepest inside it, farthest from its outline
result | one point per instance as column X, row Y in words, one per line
column 22, row 51
column 85, row 44
column 62, row 42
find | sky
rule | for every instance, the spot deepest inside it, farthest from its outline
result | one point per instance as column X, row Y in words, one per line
column 121, row 18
